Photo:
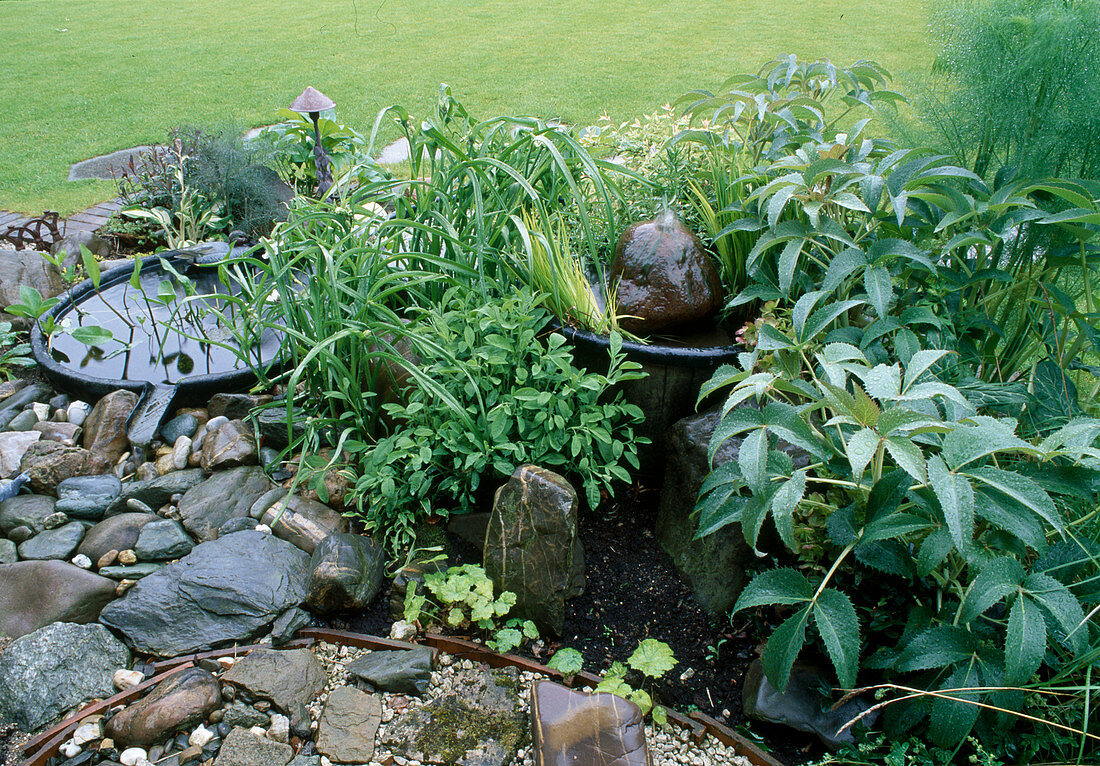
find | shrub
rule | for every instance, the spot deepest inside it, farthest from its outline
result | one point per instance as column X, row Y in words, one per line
column 1023, row 85
column 511, row 395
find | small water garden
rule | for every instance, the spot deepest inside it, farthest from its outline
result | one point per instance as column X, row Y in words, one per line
column 770, row 424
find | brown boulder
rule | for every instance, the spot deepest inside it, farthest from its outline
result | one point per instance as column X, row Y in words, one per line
column 176, row 702
column 303, row 522
column 572, row 727
column 49, row 463
column 663, row 276
column 34, row 594
column 105, row 426
column 229, row 446
column 117, row 533
column 530, row 544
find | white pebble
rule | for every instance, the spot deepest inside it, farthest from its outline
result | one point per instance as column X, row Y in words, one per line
column 131, row 756
column 77, row 412
column 124, row 679
column 41, row 411
column 87, row 733
column 200, row 736
column 70, row 749
column 181, row 450
column 280, row 728
column 263, row 528
column 259, row 731
column 215, row 423
column 82, row 561
column 402, row 631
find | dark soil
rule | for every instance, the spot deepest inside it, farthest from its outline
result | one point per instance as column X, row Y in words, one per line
column 633, row 592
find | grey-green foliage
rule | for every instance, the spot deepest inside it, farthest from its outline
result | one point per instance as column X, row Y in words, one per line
column 1023, row 85
column 929, row 491
column 509, row 395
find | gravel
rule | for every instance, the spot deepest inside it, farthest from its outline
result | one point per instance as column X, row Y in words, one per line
column 668, row 745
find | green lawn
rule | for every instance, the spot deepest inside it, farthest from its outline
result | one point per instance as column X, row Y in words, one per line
column 84, row 77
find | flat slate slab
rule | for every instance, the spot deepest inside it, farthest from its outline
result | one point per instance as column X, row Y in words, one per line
column 106, row 166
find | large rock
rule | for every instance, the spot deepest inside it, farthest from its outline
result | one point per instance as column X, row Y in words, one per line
column 28, row 511
column 232, row 444
column 348, row 726
column 243, row 748
column 303, row 522
column 287, row 678
column 36, row 593
column 156, row 492
column 49, row 463
column 13, row 446
column 571, row 727
column 53, row 543
column 105, row 428
column 46, row 673
column 714, row 566
column 530, row 544
column 401, row 672
column 117, row 533
column 225, row 590
column 88, row 497
column 802, row 706
column 162, row 540
column 663, row 276
column 226, row 495
column 184, row 699
column 26, row 267
column 347, row 573
column 480, row 722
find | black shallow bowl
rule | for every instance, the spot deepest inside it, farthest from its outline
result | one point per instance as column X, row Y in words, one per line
column 671, row 356
column 156, row 398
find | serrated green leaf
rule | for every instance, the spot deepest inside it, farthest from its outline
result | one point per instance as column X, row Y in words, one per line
column 1025, row 641
column 1060, row 603
column 936, row 647
column 956, row 498
column 775, row 586
column 783, row 647
column 784, row 503
column 861, row 449
column 908, row 456
column 653, row 658
column 880, row 289
column 933, row 551
column 918, row 364
column 1021, row 489
column 998, row 579
column 883, row 381
column 752, row 457
column 951, row 721
column 838, row 625
column 567, row 661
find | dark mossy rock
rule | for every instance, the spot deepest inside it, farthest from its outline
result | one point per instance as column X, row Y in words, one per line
column 530, row 545
column 347, row 573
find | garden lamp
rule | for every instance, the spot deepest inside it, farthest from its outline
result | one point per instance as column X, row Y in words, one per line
column 313, row 102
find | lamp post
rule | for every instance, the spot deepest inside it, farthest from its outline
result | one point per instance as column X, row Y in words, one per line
column 313, row 102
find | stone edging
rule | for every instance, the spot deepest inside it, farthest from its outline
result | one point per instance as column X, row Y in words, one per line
column 41, row 748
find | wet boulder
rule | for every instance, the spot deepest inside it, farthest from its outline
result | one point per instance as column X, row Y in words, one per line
column 34, row 594
column 346, row 573
column 572, row 727
column 663, row 276
column 531, row 543
column 177, row 702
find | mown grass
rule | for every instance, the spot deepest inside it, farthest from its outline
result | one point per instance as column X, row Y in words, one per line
column 81, row 78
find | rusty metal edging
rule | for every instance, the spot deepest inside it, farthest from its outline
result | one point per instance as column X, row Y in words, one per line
column 42, row 747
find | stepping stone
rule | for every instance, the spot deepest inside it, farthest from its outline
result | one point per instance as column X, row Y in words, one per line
column 348, row 726
column 287, row 678
column 571, row 727
column 401, row 672
column 108, row 167
column 243, row 748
